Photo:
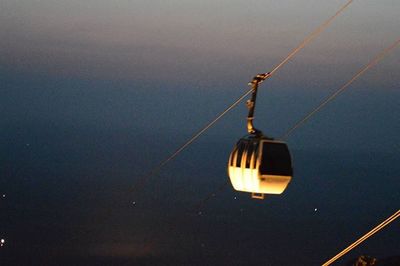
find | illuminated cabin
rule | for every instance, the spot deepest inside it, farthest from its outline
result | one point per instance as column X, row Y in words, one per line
column 258, row 164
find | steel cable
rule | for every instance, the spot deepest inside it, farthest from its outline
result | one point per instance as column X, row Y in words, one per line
column 371, row 63
column 363, row 238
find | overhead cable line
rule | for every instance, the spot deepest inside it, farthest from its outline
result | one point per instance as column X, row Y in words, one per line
column 363, row 238
column 311, row 37
column 373, row 62
column 307, row 40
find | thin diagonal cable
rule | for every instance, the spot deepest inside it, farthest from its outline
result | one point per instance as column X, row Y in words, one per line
column 373, row 62
column 140, row 183
column 363, row 238
column 311, row 37
column 180, row 149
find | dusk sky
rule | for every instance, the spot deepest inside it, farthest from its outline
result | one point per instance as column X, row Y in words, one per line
column 94, row 94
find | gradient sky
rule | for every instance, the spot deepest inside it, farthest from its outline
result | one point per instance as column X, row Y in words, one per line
column 95, row 93
column 177, row 40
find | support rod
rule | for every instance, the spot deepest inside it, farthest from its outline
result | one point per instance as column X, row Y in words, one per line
column 251, row 104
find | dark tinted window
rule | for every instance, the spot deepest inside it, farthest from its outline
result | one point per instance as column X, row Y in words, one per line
column 241, row 148
column 275, row 159
column 250, row 150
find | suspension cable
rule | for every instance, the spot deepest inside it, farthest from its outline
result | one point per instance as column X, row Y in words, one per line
column 373, row 62
column 140, row 183
column 311, row 37
column 157, row 169
column 363, row 238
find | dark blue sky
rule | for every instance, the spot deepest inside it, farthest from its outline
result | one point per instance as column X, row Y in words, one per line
column 94, row 94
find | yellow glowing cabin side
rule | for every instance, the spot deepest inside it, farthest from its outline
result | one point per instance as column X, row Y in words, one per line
column 259, row 165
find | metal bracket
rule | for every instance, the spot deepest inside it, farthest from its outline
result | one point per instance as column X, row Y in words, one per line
column 260, row 196
column 259, row 78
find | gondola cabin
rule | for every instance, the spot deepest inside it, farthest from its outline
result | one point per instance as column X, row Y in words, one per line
column 260, row 165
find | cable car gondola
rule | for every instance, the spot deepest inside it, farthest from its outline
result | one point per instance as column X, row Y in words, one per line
column 258, row 164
